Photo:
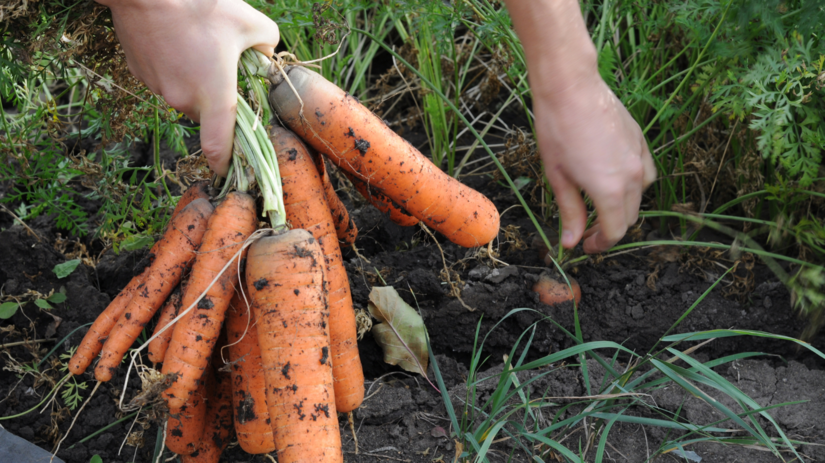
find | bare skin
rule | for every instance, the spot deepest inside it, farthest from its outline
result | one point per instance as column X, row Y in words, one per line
column 187, row 51
column 588, row 140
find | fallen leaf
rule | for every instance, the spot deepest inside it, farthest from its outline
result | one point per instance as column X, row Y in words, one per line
column 401, row 333
column 438, row 431
column 459, row 449
column 66, row 268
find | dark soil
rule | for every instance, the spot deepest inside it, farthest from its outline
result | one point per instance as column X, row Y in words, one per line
column 403, row 418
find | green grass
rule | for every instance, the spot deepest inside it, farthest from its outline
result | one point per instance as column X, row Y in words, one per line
column 536, row 424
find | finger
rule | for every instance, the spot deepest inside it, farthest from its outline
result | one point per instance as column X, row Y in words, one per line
column 594, row 228
column 571, row 207
column 263, row 34
column 218, row 129
column 612, row 223
column 632, row 201
column 649, row 166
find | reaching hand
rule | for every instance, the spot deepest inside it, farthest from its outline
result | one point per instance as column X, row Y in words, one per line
column 188, row 51
column 588, row 140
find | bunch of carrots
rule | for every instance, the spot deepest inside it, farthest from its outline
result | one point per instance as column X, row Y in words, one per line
column 256, row 333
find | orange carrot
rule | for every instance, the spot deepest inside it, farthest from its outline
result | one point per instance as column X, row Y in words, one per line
column 285, row 279
column 197, row 190
column 382, row 202
column 248, row 385
column 337, row 125
column 172, row 254
column 552, row 291
column 195, row 334
column 218, row 429
column 92, row 343
column 344, row 226
column 157, row 347
column 185, row 426
column 306, row 208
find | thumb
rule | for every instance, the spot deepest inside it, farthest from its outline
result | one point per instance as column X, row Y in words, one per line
column 217, row 133
column 571, row 207
column 262, row 33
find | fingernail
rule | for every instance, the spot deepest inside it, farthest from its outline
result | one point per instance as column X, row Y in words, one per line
column 567, row 238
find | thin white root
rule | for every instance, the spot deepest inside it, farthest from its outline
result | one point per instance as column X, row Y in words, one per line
column 352, row 428
column 136, row 352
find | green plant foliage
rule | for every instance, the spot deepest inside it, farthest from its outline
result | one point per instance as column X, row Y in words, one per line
column 66, row 268
column 8, row 309
column 774, row 74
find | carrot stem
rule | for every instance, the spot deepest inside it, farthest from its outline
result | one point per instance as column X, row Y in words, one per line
column 256, row 148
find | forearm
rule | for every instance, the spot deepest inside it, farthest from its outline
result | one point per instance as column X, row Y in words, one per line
column 558, row 48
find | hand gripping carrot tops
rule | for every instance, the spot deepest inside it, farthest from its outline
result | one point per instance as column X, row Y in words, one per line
column 337, row 125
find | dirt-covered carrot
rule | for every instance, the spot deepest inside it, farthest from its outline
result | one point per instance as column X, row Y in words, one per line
column 172, row 254
column 285, row 279
column 306, row 208
column 197, row 190
column 157, row 347
column 337, row 125
column 248, row 385
column 92, row 343
column 554, row 291
column 382, row 202
column 218, row 429
column 344, row 226
column 185, row 426
column 195, row 334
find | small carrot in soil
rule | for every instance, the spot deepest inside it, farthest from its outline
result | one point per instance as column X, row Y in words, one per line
column 337, row 125
column 248, row 385
column 552, row 291
column 157, row 347
column 185, row 426
column 173, row 252
column 344, row 226
column 285, row 279
column 218, row 429
column 195, row 334
column 382, row 202
column 306, row 208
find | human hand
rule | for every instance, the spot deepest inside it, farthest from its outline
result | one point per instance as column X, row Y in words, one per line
column 588, row 140
column 188, row 52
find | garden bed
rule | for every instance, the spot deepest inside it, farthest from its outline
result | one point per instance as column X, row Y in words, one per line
column 403, row 417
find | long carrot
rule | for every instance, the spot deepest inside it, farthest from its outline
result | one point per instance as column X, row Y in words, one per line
column 157, row 347
column 337, row 125
column 306, row 208
column 382, row 202
column 344, row 226
column 173, row 252
column 285, row 278
column 194, row 335
column 197, row 190
column 248, row 384
column 185, row 426
column 218, row 429
column 93, row 341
